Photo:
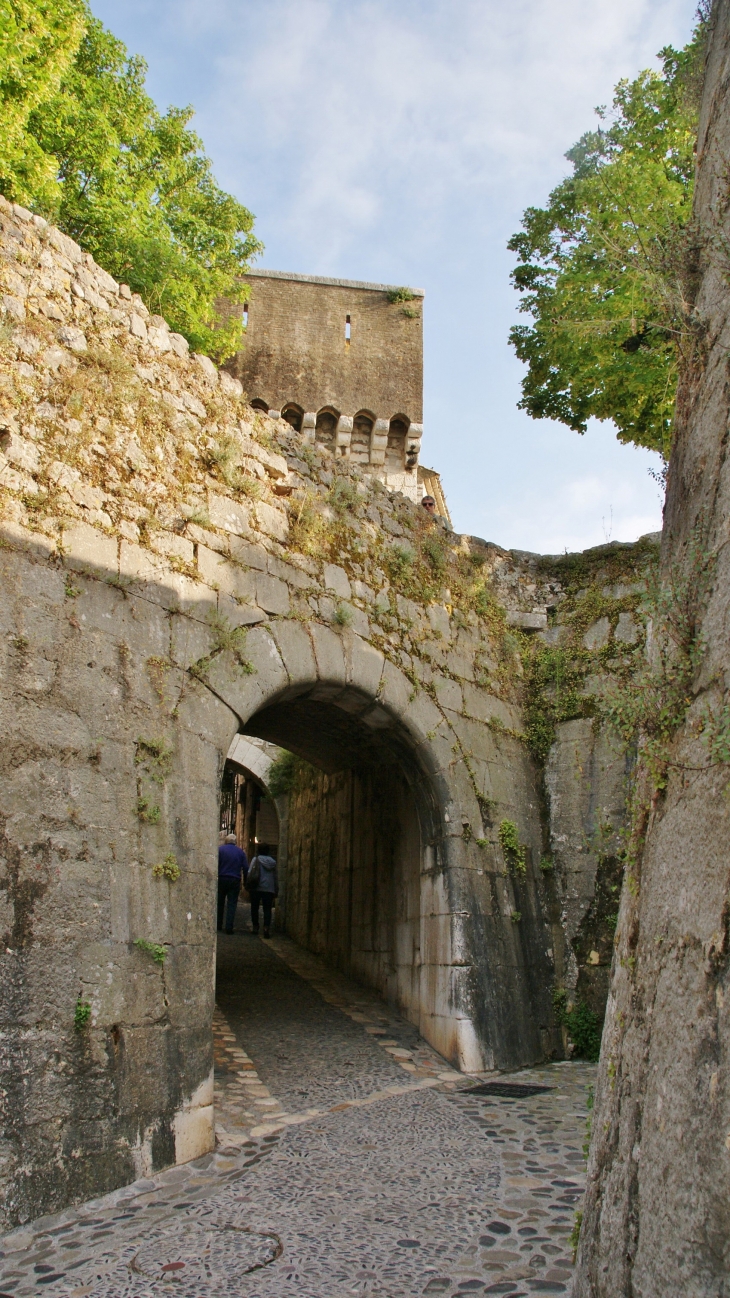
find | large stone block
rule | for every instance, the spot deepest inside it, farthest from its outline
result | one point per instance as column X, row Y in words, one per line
column 336, row 579
column 273, row 522
column 87, row 548
column 448, row 693
column 272, row 595
column 296, row 651
column 364, row 664
column 229, row 515
column 329, row 653
column 245, row 694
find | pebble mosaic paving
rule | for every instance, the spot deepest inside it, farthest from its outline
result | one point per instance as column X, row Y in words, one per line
column 350, row 1159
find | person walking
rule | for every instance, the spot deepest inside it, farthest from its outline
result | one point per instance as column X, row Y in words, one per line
column 232, row 869
column 263, row 886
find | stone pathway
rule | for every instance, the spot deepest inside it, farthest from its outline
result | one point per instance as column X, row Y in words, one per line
column 350, row 1160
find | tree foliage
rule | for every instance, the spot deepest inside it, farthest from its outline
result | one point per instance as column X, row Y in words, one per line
column 602, row 265
column 85, row 145
column 39, row 40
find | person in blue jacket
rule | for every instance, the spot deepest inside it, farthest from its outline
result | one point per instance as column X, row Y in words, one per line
column 232, row 871
column 263, row 887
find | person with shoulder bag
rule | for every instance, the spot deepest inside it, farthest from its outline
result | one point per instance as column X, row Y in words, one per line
column 263, row 887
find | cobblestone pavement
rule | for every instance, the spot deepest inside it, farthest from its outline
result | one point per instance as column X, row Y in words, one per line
column 350, row 1159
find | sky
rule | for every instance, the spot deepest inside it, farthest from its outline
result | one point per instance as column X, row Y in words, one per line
column 399, row 141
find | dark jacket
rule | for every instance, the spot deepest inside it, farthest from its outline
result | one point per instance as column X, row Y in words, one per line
column 232, row 862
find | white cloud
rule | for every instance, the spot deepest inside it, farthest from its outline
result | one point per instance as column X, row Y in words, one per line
column 365, row 111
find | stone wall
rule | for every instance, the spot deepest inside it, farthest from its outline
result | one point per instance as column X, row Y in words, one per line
column 176, row 569
column 657, row 1217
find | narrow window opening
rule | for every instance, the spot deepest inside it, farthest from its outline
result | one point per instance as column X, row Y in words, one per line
column 347, row 328
column 245, row 315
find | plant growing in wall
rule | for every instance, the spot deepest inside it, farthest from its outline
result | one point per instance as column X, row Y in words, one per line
column 154, row 757
column 82, row 1013
column 284, row 772
column 343, row 615
column 515, row 852
column 400, row 295
column 155, row 949
column 226, row 639
column 148, row 812
column 167, row 869
column 158, row 668
column 583, row 1025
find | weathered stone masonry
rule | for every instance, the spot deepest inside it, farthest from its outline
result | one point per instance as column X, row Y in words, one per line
column 342, row 362
column 657, row 1214
column 176, row 569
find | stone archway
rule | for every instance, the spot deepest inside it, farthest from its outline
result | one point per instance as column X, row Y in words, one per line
column 329, row 697
column 363, row 847
column 139, row 684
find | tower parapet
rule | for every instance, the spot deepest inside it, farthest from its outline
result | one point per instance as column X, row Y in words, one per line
column 342, row 362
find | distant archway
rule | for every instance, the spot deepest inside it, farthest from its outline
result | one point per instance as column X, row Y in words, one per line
column 259, row 404
column 395, row 455
column 362, row 429
column 246, row 806
column 293, row 414
column 325, row 431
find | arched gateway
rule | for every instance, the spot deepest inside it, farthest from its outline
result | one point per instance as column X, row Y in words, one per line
column 129, row 688
column 176, row 570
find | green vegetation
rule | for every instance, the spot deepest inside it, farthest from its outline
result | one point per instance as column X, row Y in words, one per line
column 557, row 683
column 515, row 852
column 154, row 756
column 154, row 949
column 648, row 705
column 158, row 668
column 82, row 1013
column 149, row 813
column 83, row 144
column 401, row 295
column 282, row 773
column 226, row 639
column 590, row 1102
column 604, row 265
column 285, row 772
column 343, row 615
column 583, row 1024
column 343, row 494
column 574, row 1236
column 167, row 869
column 554, row 678
column 225, row 457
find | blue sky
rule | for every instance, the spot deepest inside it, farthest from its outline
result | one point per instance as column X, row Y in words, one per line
column 399, row 141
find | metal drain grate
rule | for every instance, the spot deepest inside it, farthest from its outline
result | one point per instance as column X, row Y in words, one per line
column 507, row 1090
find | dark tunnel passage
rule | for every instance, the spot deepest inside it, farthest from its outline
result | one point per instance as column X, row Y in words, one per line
column 361, row 840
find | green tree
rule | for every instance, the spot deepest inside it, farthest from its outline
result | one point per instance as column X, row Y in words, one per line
column 39, row 40
column 134, row 187
column 603, row 266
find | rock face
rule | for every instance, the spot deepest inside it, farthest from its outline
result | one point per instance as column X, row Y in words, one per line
column 176, row 569
column 657, row 1217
